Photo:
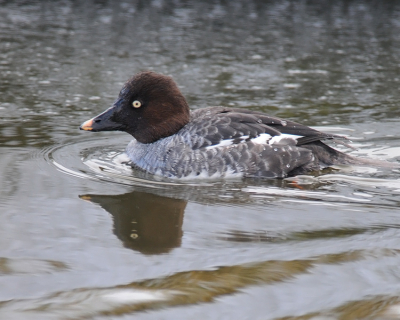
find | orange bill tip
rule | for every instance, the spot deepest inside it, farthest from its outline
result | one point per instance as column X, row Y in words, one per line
column 87, row 125
column 85, row 197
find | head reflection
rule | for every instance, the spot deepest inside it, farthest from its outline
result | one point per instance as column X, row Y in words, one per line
column 144, row 222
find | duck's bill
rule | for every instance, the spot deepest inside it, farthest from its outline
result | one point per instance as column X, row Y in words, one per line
column 102, row 122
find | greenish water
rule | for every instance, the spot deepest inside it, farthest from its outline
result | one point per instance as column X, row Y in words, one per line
column 82, row 236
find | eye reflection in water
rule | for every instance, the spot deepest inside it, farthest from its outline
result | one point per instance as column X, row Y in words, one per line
column 148, row 223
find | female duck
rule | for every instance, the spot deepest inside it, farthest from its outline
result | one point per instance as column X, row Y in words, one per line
column 172, row 141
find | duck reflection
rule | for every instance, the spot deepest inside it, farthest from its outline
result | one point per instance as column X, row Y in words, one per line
column 144, row 222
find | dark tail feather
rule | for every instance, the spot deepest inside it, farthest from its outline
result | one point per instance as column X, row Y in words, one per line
column 327, row 156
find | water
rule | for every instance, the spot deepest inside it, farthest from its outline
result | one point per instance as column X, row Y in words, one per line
column 83, row 236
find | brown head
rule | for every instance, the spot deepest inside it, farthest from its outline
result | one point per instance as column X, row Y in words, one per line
column 150, row 106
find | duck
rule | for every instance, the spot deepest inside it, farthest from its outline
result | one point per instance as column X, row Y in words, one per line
column 171, row 141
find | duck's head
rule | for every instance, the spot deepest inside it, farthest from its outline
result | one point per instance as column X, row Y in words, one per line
column 150, row 106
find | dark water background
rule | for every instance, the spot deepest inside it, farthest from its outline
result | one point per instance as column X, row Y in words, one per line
column 82, row 236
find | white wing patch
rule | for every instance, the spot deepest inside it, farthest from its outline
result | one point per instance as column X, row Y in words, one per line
column 222, row 143
column 284, row 136
column 228, row 142
column 263, row 138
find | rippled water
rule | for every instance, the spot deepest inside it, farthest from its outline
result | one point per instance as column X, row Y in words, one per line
column 83, row 236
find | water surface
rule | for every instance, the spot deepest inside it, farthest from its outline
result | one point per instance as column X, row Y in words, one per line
column 83, row 236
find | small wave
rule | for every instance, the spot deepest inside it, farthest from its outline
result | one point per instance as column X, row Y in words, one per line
column 102, row 160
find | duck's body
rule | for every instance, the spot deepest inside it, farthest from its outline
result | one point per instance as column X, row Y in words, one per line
column 222, row 142
column 213, row 142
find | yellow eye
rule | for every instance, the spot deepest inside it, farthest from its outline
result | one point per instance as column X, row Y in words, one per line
column 136, row 104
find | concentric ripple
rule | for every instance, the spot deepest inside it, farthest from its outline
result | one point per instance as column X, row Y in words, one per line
column 102, row 160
